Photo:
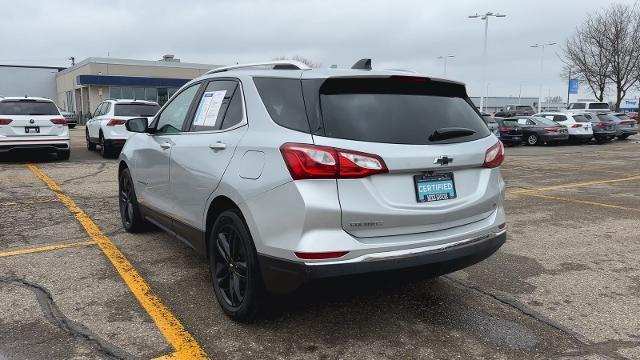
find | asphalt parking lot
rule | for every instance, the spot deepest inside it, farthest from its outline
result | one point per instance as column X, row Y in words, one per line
column 566, row 284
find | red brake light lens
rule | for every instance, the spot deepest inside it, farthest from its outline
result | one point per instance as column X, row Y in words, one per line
column 627, row 123
column 59, row 121
column 576, row 126
column 113, row 122
column 600, row 124
column 306, row 161
column 503, row 129
column 551, row 129
column 322, row 255
column 5, row 121
column 494, row 156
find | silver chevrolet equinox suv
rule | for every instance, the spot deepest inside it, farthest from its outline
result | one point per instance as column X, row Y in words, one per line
column 280, row 174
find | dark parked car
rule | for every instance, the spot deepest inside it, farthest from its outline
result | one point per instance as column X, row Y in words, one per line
column 71, row 118
column 626, row 125
column 515, row 110
column 604, row 127
column 509, row 132
column 539, row 130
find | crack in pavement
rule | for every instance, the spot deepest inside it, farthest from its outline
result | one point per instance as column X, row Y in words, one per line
column 606, row 348
column 100, row 169
column 57, row 318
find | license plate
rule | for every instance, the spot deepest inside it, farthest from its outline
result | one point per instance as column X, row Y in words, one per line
column 435, row 187
column 32, row 129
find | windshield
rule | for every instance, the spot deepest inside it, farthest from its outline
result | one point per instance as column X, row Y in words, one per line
column 142, row 110
column 544, row 121
column 510, row 123
column 28, row 107
column 599, row 106
column 397, row 110
column 623, row 117
column 580, row 118
column 604, row 117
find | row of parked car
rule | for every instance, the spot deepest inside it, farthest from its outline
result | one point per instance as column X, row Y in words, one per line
column 578, row 124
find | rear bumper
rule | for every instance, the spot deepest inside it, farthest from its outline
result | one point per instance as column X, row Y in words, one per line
column 547, row 137
column 511, row 139
column 580, row 136
column 118, row 143
column 282, row 276
column 35, row 145
column 627, row 131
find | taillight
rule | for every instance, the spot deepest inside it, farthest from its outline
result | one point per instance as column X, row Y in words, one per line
column 306, row 161
column 5, row 121
column 113, row 122
column 494, row 156
column 600, row 124
column 576, row 126
column 551, row 129
column 322, row 255
column 628, row 123
column 503, row 129
column 59, row 121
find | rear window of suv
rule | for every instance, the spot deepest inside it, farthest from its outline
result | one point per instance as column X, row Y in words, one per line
column 28, row 107
column 599, row 106
column 396, row 109
column 580, row 118
column 142, row 110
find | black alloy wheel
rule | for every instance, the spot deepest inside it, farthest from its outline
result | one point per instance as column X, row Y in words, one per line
column 130, row 215
column 233, row 266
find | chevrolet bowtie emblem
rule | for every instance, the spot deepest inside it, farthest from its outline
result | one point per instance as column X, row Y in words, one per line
column 443, row 160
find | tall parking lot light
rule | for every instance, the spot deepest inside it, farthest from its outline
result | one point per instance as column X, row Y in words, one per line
column 485, row 17
column 542, row 46
column 445, row 57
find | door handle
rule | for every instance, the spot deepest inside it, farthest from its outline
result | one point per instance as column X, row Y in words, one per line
column 218, row 146
column 165, row 145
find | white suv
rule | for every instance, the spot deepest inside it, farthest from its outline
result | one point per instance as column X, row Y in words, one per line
column 33, row 123
column 579, row 126
column 107, row 126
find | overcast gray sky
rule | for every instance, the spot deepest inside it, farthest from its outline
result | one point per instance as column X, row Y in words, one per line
column 394, row 33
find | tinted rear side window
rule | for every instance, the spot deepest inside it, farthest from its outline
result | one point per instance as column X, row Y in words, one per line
column 577, row 106
column 28, row 107
column 142, row 110
column 398, row 110
column 283, row 100
column 604, row 117
column 599, row 106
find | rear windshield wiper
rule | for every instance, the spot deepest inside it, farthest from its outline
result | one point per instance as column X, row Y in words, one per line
column 450, row 133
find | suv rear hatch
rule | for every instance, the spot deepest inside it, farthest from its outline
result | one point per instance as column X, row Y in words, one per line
column 30, row 118
column 432, row 140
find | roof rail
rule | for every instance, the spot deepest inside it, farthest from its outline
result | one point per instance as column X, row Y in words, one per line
column 276, row 64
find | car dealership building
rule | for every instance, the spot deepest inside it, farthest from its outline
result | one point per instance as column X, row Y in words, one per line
column 81, row 87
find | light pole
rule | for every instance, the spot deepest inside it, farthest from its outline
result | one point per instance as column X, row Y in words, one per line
column 485, row 17
column 445, row 57
column 542, row 46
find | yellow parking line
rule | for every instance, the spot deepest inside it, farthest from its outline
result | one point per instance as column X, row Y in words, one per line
column 185, row 345
column 46, row 248
column 573, row 185
column 584, row 202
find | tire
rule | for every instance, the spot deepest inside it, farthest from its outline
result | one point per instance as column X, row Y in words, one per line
column 90, row 145
column 130, row 213
column 233, row 265
column 105, row 150
column 532, row 139
column 71, row 126
column 64, row 154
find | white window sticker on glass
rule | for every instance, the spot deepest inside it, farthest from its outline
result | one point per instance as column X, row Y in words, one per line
column 207, row 113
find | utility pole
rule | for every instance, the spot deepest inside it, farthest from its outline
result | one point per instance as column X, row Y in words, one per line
column 541, row 71
column 485, row 18
column 445, row 57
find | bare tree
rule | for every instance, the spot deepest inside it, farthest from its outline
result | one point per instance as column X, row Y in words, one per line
column 302, row 59
column 585, row 53
column 624, row 54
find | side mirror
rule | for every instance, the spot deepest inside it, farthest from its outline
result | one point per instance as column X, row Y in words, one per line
column 137, row 125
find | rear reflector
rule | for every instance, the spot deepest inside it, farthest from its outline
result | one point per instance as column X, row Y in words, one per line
column 306, row 161
column 59, row 121
column 113, row 122
column 322, row 255
column 494, row 156
column 502, row 226
column 5, row 121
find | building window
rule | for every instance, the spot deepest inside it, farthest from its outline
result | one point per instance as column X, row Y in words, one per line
column 127, row 93
column 152, row 94
column 115, row 92
column 138, row 93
